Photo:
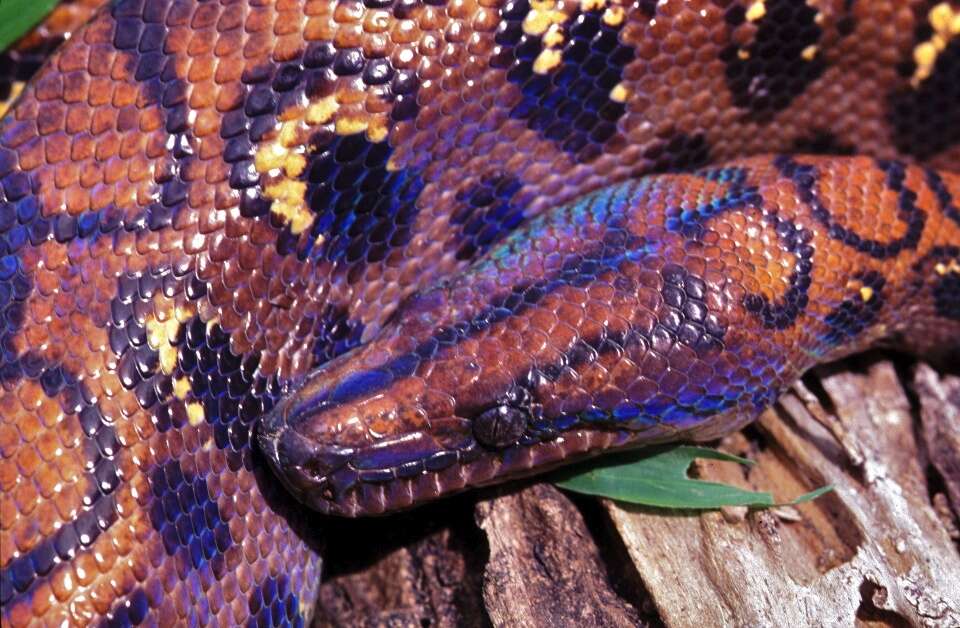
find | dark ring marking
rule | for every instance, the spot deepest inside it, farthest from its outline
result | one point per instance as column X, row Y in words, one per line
column 935, row 181
column 852, row 316
column 784, row 313
column 805, row 178
column 228, row 387
column 945, row 288
column 362, row 209
column 100, row 505
column 792, row 238
column 187, row 518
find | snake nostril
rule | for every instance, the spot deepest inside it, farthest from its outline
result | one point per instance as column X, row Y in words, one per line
column 287, row 450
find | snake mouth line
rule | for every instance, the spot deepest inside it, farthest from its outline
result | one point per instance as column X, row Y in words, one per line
column 353, row 482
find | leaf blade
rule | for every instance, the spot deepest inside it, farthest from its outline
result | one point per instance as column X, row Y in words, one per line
column 659, row 478
column 17, row 17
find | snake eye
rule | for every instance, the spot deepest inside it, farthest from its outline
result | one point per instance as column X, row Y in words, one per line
column 500, row 426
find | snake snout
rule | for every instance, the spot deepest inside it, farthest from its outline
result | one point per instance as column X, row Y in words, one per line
column 301, row 462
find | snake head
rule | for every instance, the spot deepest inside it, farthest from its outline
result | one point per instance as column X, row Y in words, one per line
column 576, row 335
column 496, row 375
column 423, row 410
column 402, row 421
column 450, row 395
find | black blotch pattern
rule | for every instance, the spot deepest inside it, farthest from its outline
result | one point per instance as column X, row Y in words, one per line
column 228, row 388
column 21, row 226
column 274, row 604
column 686, row 316
column 362, row 209
column 944, row 286
column 680, row 152
column 138, row 363
column 128, row 612
column 946, row 296
column 805, row 177
column 854, row 315
column 100, row 448
column 349, row 187
column 232, row 393
column 141, row 33
column 774, row 71
column 22, row 222
column 571, row 104
column 225, row 385
column 19, row 210
column 335, row 333
column 822, row 142
column 648, row 7
column 792, row 238
column 486, row 213
column 188, row 518
column 926, row 119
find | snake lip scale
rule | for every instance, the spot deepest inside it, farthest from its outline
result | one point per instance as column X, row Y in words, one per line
column 262, row 259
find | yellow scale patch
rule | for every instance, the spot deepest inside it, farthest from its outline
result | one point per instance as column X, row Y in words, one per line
column 756, row 11
column 546, row 21
column 866, row 292
column 181, row 387
column 945, row 269
column 619, row 93
column 195, row 415
column 282, row 160
column 945, row 21
column 162, row 333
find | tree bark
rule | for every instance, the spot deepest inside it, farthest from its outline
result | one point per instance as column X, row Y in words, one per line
column 881, row 550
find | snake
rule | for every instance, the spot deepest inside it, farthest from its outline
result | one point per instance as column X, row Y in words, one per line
column 263, row 262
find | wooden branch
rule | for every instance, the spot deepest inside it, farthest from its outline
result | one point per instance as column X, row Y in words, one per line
column 544, row 567
column 880, row 550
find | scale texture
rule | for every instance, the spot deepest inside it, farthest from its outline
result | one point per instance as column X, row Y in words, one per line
column 203, row 202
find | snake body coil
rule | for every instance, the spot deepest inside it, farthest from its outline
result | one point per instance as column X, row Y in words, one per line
column 395, row 248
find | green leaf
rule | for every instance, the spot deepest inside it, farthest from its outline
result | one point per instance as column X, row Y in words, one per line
column 17, row 17
column 658, row 477
column 812, row 495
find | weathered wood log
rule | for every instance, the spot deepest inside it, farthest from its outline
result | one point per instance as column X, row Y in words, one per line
column 881, row 550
